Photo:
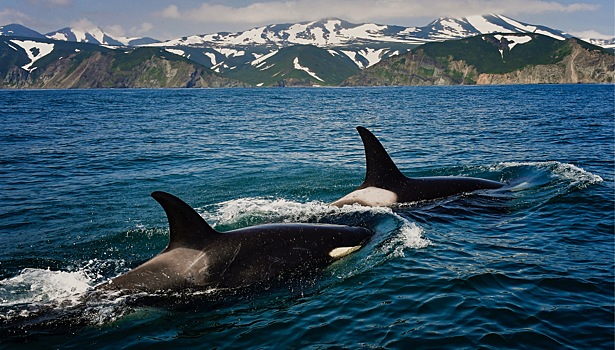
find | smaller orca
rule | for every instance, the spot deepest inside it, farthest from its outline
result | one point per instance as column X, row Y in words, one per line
column 199, row 257
column 385, row 185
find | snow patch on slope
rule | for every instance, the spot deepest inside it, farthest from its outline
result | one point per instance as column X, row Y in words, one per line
column 513, row 40
column 373, row 56
column 34, row 50
column 261, row 59
column 176, row 52
column 305, row 69
column 484, row 26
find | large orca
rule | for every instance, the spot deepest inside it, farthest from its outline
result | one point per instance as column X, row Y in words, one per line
column 385, row 185
column 199, row 257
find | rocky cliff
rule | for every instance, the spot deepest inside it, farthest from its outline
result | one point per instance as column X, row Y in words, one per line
column 580, row 66
column 493, row 60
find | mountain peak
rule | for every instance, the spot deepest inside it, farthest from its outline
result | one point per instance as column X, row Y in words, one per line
column 96, row 36
column 332, row 19
column 19, row 30
column 445, row 28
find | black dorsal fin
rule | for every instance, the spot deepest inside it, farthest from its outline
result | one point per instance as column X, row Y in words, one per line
column 187, row 227
column 380, row 169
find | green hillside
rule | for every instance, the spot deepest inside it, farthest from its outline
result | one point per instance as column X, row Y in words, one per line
column 328, row 68
column 485, row 59
column 530, row 58
column 483, row 52
column 80, row 65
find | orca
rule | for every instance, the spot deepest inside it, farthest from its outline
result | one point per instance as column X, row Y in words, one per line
column 385, row 185
column 200, row 258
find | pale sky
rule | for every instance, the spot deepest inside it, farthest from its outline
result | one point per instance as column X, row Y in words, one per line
column 165, row 20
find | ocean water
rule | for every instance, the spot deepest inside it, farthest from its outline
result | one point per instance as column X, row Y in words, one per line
column 527, row 266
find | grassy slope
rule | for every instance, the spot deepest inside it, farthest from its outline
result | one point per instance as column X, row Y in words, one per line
column 133, row 65
column 482, row 53
column 333, row 69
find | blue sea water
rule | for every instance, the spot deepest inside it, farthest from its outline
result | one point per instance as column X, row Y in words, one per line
column 529, row 266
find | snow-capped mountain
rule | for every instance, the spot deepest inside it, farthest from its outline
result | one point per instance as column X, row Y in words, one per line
column 262, row 52
column 457, row 28
column 34, row 50
column 335, row 32
column 324, row 33
column 18, row 30
column 605, row 43
column 96, row 36
column 366, row 44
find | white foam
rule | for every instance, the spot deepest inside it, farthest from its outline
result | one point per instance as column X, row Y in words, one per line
column 39, row 286
column 409, row 236
column 563, row 171
column 406, row 235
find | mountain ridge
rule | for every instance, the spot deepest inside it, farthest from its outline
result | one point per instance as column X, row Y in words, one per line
column 443, row 28
column 493, row 59
column 59, row 64
column 327, row 52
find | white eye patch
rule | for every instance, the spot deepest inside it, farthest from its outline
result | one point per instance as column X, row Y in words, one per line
column 343, row 251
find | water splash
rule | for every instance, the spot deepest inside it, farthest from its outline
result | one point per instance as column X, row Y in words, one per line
column 267, row 210
column 250, row 211
column 34, row 286
column 577, row 177
column 409, row 236
column 36, row 292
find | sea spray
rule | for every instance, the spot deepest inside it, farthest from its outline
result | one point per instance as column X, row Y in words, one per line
column 403, row 233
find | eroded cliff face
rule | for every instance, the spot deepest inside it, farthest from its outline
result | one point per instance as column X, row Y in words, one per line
column 416, row 68
column 581, row 66
column 98, row 70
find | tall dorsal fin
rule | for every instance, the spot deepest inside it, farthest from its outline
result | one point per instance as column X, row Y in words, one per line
column 187, row 227
column 380, row 169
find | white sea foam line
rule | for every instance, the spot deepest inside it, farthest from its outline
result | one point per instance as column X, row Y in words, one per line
column 408, row 235
column 565, row 171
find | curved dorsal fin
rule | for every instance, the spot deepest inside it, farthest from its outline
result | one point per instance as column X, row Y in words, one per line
column 187, row 227
column 380, row 169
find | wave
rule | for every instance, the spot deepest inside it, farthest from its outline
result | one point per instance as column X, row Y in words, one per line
column 36, row 292
column 575, row 176
column 33, row 286
column 252, row 211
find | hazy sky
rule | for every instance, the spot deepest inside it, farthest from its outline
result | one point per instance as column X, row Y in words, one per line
column 173, row 19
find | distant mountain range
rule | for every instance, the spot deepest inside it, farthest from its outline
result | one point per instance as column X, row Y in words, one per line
column 96, row 36
column 325, row 52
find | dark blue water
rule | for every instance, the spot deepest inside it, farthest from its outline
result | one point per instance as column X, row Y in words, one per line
column 531, row 266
